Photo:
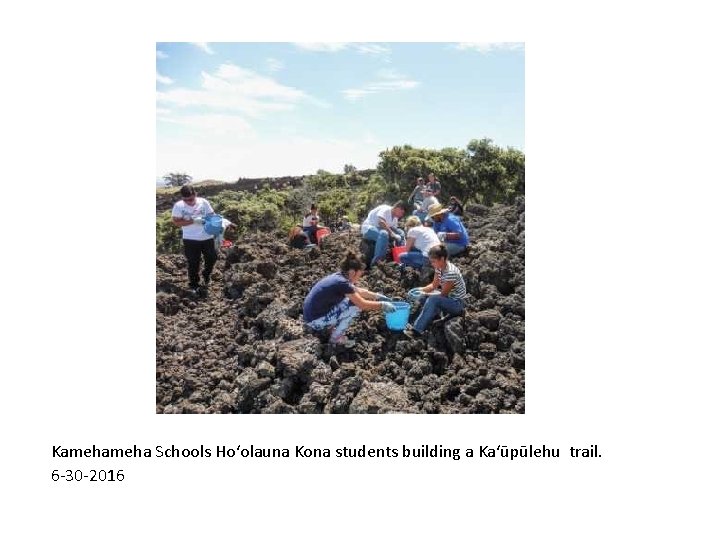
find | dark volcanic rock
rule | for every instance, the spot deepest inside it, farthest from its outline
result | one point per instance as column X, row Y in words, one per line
column 243, row 347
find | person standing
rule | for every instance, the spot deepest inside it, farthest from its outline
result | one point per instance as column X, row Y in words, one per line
column 380, row 225
column 433, row 184
column 416, row 197
column 190, row 213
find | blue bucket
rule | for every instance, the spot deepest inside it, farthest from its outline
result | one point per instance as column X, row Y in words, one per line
column 398, row 318
column 213, row 224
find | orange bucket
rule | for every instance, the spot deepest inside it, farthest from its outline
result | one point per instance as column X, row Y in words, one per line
column 321, row 233
column 397, row 251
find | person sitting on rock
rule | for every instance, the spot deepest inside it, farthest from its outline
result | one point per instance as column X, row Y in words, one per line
column 451, row 296
column 381, row 225
column 311, row 223
column 419, row 241
column 455, row 207
column 336, row 299
column 298, row 238
column 449, row 228
column 428, row 200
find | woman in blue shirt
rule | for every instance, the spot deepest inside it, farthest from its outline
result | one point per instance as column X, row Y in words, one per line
column 336, row 299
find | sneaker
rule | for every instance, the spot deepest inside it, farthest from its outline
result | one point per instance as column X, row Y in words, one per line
column 411, row 332
column 343, row 341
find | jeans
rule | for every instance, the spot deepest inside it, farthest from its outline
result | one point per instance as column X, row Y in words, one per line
column 340, row 316
column 414, row 258
column 312, row 233
column 420, row 214
column 193, row 250
column 432, row 304
column 381, row 239
column 454, row 249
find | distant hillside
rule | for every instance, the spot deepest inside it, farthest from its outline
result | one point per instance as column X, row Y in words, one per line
column 165, row 197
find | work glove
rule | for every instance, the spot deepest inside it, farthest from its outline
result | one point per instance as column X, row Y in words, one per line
column 198, row 220
column 397, row 237
column 442, row 236
column 383, row 298
column 387, row 307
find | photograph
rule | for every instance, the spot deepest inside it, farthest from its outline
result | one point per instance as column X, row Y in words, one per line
column 340, row 228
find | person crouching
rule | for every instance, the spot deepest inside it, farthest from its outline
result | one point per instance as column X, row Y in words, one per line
column 451, row 295
column 419, row 242
column 335, row 300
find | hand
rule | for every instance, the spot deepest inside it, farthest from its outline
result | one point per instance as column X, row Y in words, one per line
column 387, row 307
column 397, row 237
column 382, row 298
column 416, row 293
column 442, row 236
column 198, row 220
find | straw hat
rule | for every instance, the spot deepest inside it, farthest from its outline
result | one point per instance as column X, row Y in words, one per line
column 436, row 209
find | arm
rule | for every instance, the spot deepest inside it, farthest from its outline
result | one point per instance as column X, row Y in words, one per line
column 410, row 242
column 430, row 287
column 365, row 305
column 180, row 222
column 446, row 288
column 384, row 225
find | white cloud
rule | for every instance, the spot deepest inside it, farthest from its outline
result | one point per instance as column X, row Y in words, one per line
column 486, row 47
column 160, row 55
column 387, row 73
column 322, row 47
column 236, row 89
column 205, row 126
column 273, row 64
column 254, row 158
column 371, row 48
column 203, row 46
column 392, row 81
column 163, row 79
column 161, row 111
column 362, row 48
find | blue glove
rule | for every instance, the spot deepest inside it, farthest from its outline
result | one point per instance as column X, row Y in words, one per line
column 383, row 298
column 387, row 307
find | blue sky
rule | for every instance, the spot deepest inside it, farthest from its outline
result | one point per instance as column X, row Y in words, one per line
column 226, row 110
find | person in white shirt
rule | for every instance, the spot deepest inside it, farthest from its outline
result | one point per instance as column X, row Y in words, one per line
column 311, row 224
column 419, row 241
column 428, row 200
column 190, row 214
column 380, row 225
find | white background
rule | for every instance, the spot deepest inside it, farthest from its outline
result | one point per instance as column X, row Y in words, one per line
column 621, row 143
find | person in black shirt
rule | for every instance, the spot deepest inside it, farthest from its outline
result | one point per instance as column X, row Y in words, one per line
column 455, row 206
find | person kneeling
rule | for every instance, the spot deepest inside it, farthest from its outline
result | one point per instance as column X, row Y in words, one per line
column 451, row 295
column 336, row 299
